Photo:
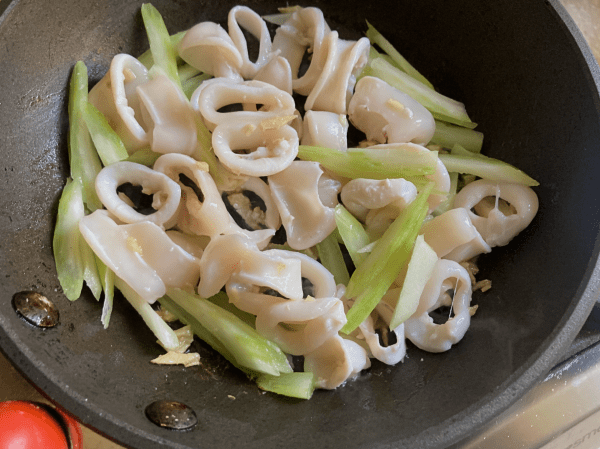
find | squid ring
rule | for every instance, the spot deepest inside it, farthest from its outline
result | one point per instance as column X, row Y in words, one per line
column 420, row 328
column 166, row 192
column 496, row 228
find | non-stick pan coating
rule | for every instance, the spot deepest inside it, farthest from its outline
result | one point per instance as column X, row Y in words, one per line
column 522, row 76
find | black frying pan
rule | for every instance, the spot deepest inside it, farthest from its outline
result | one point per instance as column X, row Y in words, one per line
column 523, row 76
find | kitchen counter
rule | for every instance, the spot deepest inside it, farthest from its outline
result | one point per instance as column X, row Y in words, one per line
column 586, row 13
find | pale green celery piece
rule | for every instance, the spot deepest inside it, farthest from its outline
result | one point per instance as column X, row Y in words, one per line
column 146, row 57
column 187, row 72
column 332, row 258
column 90, row 269
column 108, row 144
column 353, row 234
column 190, row 85
column 67, row 239
column 399, row 61
column 162, row 331
column 294, row 385
column 222, row 300
column 461, row 150
column 374, row 276
column 164, row 53
column 447, row 135
column 84, row 161
column 487, row 168
column 250, row 349
column 372, row 163
column 448, row 203
column 186, row 318
column 107, row 276
column 440, row 106
column 144, row 156
column 419, row 271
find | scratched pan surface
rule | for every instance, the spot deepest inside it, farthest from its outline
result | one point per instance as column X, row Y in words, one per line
column 523, row 77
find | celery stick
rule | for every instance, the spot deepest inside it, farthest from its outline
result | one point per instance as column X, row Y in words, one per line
column 448, row 135
column 90, row 269
column 187, row 72
column 353, row 234
column 108, row 144
column 295, row 385
column 448, row 203
column 145, row 156
column 486, row 167
column 222, row 300
column 67, row 239
column 250, row 350
column 374, row 276
column 146, row 57
column 332, row 259
column 460, row 150
column 186, row 318
column 107, row 277
column 157, row 325
column 440, row 106
column 84, row 161
column 164, row 53
column 419, row 271
column 399, row 61
column 191, row 84
column 372, row 163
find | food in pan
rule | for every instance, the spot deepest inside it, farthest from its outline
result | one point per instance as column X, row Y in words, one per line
column 220, row 190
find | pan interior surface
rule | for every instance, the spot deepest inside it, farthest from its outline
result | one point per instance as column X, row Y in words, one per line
column 522, row 77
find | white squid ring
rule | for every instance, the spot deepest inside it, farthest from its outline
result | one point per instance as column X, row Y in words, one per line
column 498, row 229
column 420, row 328
column 167, row 193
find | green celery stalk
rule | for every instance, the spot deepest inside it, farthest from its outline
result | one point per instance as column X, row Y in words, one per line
column 440, row 106
column 84, row 161
column 375, row 275
column 90, row 269
column 486, row 167
column 222, row 300
column 250, row 349
column 164, row 53
column 146, row 57
column 145, row 156
column 189, row 320
column 372, row 163
column 67, row 239
column 353, row 234
column 187, row 72
column 399, row 61
column 332, row 258
column 295, row 385
column 419, row 271
column 107, row 276
column 447, row 135
column 108, row 144
column 448, row 203
column 282, row 17
column 162, row 331
column 191, row 84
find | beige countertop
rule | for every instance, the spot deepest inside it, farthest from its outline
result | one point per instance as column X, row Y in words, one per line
column 586, row 13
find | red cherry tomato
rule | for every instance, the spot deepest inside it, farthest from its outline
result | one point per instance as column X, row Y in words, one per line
column 27, row 425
